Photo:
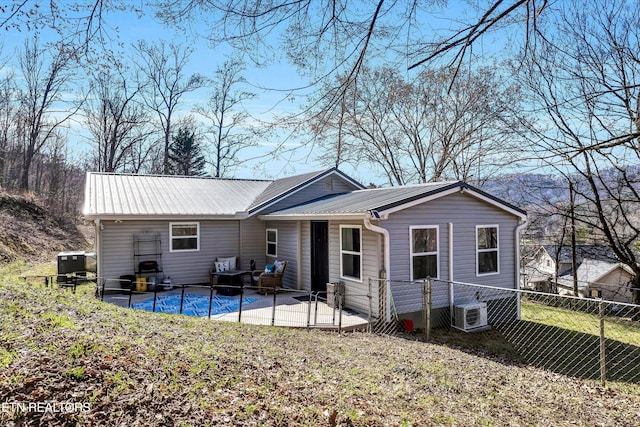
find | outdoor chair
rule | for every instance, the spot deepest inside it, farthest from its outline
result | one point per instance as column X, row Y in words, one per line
column 222, row 264
column 270, row 279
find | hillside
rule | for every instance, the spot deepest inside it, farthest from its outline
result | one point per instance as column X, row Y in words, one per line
column 111, row 366
column 97, row 364
column 29, row 232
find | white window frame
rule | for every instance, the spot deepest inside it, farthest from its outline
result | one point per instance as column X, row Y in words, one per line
column 172, row 237
column 342, row 252
column 496, row 250
column 268, row 242
column 413, row 254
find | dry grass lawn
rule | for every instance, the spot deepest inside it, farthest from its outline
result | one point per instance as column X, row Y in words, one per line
column 132, row 368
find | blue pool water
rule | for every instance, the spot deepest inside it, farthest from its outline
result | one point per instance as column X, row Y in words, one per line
column 193, row 305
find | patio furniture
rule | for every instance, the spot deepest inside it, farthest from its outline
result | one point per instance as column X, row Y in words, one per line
column 232, row 278
column 222, row 264
column 270, row 279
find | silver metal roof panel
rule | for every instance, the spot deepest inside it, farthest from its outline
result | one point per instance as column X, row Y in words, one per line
column 124, row 195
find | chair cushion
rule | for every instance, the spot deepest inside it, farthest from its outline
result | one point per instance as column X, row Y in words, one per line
column 279, row 266
column 222, row 266
column 270, row 268
column 231, row 260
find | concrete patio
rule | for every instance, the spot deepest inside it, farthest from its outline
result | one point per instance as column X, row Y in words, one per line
column 289, row 308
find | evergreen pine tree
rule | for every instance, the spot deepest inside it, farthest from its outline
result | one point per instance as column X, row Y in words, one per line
column 185, row 154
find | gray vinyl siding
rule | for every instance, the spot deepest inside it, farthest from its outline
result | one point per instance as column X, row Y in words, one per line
column 356, row 292
column 305, row 256
column 287, row 250
column 254, row 243
column 465, row 213
column 312, row 192
column 217, row 239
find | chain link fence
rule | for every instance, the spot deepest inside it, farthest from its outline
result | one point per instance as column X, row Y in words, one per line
column 581, row 337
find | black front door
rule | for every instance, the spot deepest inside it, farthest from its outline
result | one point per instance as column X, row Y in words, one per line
column 319, row 255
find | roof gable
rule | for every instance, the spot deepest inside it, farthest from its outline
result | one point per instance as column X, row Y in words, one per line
column 384, row 201
column 282, row 188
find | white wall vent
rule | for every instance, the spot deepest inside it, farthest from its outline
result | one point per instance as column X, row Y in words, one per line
column 470, row 317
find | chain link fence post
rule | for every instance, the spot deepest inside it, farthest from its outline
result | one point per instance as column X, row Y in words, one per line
column 309, row 310
column 426, row 307
column 370, row 296
column 603, row 356
column 273, row 311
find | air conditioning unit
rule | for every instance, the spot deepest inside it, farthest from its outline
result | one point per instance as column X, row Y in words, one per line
column 470, row 317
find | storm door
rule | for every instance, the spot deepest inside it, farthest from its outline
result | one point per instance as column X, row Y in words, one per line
column 319, row 255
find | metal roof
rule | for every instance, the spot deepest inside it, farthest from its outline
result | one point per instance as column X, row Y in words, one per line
column 111, row 195
column 122, row 195
column 382, row 199
column 361, row 201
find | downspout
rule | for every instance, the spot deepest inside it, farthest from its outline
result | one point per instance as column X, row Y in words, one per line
column 386, row 258
column 97, row 246
column 451, row 296
column 299, row 256
column 516, row 239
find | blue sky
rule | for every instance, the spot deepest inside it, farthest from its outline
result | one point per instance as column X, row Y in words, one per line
column 280, row 76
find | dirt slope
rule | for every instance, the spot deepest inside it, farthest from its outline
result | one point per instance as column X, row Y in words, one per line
column 30, row 233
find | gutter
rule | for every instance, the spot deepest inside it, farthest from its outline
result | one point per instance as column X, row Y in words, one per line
column 387, row 257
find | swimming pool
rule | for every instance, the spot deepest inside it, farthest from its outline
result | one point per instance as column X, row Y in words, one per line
column 193, row 305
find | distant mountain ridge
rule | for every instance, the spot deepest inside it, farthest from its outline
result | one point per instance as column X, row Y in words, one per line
column 529, row 190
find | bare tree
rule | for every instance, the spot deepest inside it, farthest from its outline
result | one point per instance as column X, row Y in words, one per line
column 77, row 24
column 424, row 129
column 340, row 35
column 8, row 110
column 116, row 119
column 227, row 122
column 319, row 35
column 45, row 80
column 586, row 81
column 164, row 65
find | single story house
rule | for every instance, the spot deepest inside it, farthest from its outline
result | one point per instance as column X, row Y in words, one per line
column 327, row 226
column 542, row 263
column 538, row 269
column 600, row 279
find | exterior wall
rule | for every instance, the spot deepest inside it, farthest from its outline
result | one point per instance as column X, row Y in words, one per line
column 287, row 250
column 217, row 239
column 356, row 291
column 614, row 286
column 538, row 273
column 245, row 239
column 254, row 243
column 465, row 213
column 304, row 268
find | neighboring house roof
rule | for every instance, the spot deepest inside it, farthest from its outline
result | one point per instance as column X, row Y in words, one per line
column 592, row 271
column 118, row 196
column 596, row 252
column 383, row 201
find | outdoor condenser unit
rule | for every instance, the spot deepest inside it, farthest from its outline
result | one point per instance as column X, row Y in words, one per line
column 469, row 317
column 77, row 263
